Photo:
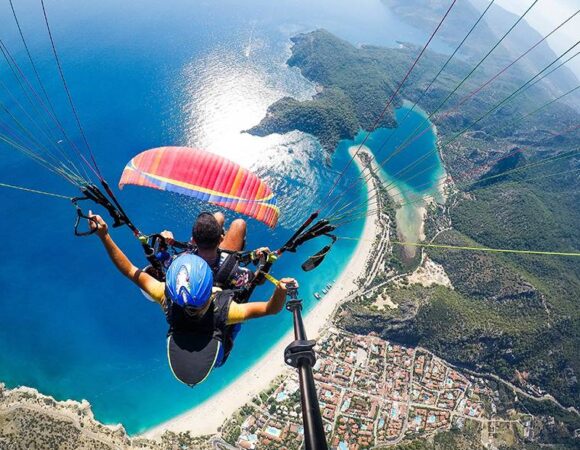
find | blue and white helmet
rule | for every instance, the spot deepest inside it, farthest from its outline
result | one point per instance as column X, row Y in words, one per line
column 189, row 281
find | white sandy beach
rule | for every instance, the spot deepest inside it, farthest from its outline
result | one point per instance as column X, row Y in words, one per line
column 208, row 416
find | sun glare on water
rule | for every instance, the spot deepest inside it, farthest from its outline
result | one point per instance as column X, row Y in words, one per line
column 226, row 93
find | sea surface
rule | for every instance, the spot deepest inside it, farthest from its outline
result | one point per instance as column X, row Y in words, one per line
column 145, row 74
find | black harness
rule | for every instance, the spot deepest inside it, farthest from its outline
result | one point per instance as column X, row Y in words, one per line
column 212, row 323
column 224, row 271
column 198, row 344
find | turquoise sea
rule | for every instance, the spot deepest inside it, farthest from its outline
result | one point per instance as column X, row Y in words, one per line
column 145, row 74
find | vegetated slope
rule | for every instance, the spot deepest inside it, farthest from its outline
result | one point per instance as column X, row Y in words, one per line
column 30, row 420
column 541, row 214
column 425, row 15
column 506, row 312
column 355, row 85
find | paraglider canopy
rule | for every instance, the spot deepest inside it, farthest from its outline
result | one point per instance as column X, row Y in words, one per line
column 205, row 176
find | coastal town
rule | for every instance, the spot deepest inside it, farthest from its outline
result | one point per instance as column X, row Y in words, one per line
column 371, row 392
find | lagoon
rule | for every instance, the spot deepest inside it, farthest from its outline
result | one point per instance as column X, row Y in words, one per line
column 411, row 167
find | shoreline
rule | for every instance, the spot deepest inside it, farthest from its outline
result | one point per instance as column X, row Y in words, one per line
column 410, row 214
column 258, row 377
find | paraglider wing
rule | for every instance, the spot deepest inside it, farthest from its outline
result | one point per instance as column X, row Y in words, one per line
column 205, row 176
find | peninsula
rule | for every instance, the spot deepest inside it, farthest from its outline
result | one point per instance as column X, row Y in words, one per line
column 352, row 85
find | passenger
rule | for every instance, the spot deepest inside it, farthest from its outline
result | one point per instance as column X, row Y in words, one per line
column 203, row 320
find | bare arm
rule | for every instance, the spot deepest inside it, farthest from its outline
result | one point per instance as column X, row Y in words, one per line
column 143, row 280
column 273, row 306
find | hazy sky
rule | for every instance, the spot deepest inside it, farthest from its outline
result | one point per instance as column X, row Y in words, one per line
column 547, row 15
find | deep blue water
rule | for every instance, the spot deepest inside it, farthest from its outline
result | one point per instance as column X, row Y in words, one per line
column 145, row 74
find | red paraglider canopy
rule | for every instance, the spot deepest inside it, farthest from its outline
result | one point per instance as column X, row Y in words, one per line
column 205, row 176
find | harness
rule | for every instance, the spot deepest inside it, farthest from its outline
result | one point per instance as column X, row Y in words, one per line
column 213, row 322
column 223, row 268
column 223, row 271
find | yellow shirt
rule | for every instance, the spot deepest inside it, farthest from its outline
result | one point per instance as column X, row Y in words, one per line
column 236, row 313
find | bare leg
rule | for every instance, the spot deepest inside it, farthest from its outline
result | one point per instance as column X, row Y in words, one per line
column 235, row 238
column 221, row 219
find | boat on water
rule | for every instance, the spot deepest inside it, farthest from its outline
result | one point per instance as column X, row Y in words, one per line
column 324, row 290
column 317, row 296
